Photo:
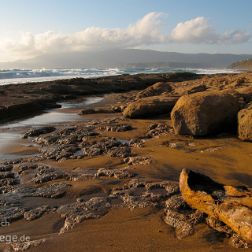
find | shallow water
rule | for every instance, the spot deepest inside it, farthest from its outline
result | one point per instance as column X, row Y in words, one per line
column 54, row 116
column 11, row 135
column 87, row 101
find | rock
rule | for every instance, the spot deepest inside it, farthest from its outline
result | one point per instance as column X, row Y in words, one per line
column 96, row 111
column 119, row 128
column 205, row 113
column 237, row 242
column 21, row 167
column 218, row 225
column 46, row 173
column 5, row 167
column 176, row 202
column 39, row 131
column 180, row 222
column 150, row 106
column 138, row 160
column 35, row 213
column 154, row 90
column 245, row 93
column 123, row 152
column 230, row 205
column 118, row 108
column 245, row 124
column 23, row 246
column 11, row 213
column 116, row 173
column 54, row 191
column 158, row 129
column 79, row 211
column 196, row 89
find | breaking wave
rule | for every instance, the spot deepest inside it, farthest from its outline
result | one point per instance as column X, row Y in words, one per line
column 14, row 76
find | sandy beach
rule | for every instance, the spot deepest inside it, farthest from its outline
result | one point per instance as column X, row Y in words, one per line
column 97, row 180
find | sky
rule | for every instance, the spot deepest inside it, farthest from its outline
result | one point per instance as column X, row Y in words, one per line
column 30, row 28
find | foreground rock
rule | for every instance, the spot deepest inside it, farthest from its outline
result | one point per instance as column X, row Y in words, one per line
column 150, row 106
column 245, row 124
column 227, row 204
column 205, row 113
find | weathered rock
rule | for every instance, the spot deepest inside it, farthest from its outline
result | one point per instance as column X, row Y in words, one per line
column 11, row 213
column 46, row 173
column 138, row 160
column 116, row 173
column 230, row 205
column 123, row 151
column 39, row 131
column 119, row 128
column 150, row 106
column 205, row 113
column 154, row 90
column 180, row 222
column 237, row 242
column 196, row 89
column 245, row 93
column 158, row 129
column 35, row 213
column 176, row 202
column 79, row 211
column 23, row 246
column 245, row 124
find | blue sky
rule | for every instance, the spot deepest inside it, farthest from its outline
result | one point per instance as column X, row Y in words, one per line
column 71, row 16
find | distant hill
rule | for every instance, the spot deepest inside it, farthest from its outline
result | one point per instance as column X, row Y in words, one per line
column 126, row 57
column 243, row 65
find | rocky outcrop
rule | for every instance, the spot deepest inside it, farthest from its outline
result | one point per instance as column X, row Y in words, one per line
column 39, row 131
column 205, row 113
column 150, row 106
column 154, row 90
column 230, row 205
column 245, row 124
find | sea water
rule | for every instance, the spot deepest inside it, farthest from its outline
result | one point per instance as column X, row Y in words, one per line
column 15, row 76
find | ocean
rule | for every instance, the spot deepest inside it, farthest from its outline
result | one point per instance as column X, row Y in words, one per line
column 14, row 76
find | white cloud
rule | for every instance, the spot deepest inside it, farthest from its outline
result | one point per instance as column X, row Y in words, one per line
column 145, row 32
column 198, row 30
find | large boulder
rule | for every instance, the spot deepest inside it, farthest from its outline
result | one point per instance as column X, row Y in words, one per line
column 205, row 113
column 154, row 90
column 245, row 124
column 150, row 106
column 245, row 93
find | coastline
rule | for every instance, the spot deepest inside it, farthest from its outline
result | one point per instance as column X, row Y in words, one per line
column 20, row 100
column 122, row 171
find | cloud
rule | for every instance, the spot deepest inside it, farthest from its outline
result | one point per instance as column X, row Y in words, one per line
column 145, row 32
column 198, row 30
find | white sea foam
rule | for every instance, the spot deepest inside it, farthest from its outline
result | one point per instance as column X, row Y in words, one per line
column 14, row 76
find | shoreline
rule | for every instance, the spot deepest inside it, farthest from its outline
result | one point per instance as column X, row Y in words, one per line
column 109, row 175
column 19, row 100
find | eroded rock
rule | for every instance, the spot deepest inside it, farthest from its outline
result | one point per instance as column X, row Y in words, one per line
column 205, row 113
